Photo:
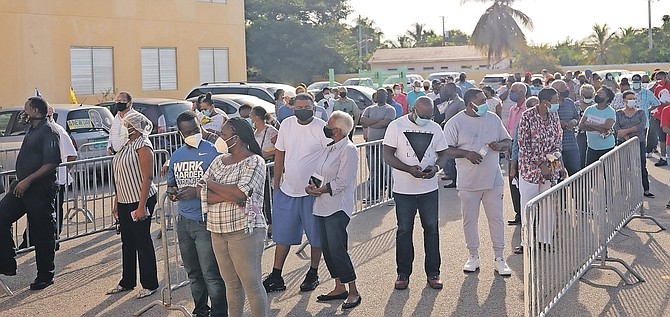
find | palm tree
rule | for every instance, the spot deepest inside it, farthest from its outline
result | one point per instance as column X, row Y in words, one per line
column 404, row 41
column 497, row 31
column 605, row 47
column 418, row 35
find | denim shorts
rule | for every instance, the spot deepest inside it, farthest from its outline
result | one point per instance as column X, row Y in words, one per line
column 292, row 217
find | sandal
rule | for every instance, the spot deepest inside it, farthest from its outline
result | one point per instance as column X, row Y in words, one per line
column 145, row 293
column 118, row 289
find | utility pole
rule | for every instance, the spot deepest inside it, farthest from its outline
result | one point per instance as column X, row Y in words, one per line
column 360, row 46
column 444, row 32
column 651, row 43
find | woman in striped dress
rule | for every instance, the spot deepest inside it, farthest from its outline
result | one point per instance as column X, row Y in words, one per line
column 133, row 205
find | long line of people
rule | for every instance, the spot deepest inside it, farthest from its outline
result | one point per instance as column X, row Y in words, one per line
column 223, row 200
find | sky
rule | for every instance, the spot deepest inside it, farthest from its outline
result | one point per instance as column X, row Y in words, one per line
column 554, row 20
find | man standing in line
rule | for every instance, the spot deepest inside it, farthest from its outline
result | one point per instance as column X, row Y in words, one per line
column 447, row 106
column 187, row 165
column 348, row 105
column 413, row 95
column 292, row 206
column 33, row 193
column 415, row 148
column 517, row 95
column 475, row 138
column 567, row 113
column 376, row 118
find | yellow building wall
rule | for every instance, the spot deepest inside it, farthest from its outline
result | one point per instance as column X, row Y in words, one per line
column 37, row 35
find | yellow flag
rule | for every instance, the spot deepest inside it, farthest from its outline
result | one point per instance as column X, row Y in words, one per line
column 73, row 97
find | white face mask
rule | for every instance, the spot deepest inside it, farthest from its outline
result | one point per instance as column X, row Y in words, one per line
column 326, row 96
column 417, row 89
column 398, row 91
column 631, row 103
column 221, row 146
column 193, row 140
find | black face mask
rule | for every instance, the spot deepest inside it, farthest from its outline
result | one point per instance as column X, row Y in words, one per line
column 343, row 94
column 120, row 106
column 426, row 88
column 564, row 94
column 599, row 99
column 303, row 114
column 328, row 132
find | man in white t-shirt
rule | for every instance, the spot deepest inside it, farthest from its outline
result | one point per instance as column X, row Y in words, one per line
column 299, row 146
column 414, row 146
column 475, row 138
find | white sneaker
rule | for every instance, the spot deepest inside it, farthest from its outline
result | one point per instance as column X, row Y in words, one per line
column 472, row 264
column 648, row 155
column 501, row 267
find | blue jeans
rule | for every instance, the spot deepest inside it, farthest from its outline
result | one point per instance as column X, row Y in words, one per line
column 195, row 245
column 406, row 207
column 571, row 160
column 581, row 143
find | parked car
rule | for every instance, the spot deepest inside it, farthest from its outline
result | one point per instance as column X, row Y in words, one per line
column 439, row 75
column 88, row 127
column 319, row 85
column 231, row 103
column 356, row 81
column 493, row 80
column 408, row 84
column 616, row 73
column 161, row 111
column 265, row 91
column 361, row 95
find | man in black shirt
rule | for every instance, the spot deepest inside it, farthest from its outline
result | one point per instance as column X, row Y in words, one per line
column 33, row 193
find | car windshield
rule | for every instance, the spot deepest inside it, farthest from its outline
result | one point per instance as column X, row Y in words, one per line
column 172, row 111
column 492, row 79
column 86, row 120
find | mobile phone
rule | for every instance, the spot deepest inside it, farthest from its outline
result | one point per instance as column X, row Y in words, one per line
column 426, row 169
column 316, row 180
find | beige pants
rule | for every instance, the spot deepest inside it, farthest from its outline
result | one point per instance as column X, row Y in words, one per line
column 492, row 200
column 545, row 220
column 239, row 257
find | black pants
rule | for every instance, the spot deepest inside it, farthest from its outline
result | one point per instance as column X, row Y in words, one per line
column 38, row 204
column 59, row 214
column 136, row 243
column 267, row 194
column 334, row 246
column 516, row 198
column 594, row 155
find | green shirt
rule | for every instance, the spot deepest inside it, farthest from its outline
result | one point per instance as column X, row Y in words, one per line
column 347, row 105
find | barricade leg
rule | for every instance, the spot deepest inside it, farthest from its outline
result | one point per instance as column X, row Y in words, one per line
column 643, row 216
column 601, row 263
column 166, row 292
column 5, row 288
column 302, row 247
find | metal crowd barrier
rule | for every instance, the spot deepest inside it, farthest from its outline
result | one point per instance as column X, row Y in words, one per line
column 168, row 287
column 8, row 159
column 568, row 228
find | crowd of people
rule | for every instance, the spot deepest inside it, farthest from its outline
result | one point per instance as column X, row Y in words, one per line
column 545, row 130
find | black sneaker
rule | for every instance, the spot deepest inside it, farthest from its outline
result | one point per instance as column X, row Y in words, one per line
column 661, row 162
column 310, row 282
column 274, row 284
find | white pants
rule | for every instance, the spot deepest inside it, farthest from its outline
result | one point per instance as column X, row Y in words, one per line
column 493, row 207
column 545, row 221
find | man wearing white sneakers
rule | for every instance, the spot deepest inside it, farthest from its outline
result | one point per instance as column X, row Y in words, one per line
column 475, row 137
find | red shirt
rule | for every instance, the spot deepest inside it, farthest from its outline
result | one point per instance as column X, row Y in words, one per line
column 665, row 122
column 657, row 93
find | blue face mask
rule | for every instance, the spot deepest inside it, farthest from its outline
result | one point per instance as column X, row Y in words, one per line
column 513, row 96
column 420, row 121
column 206, row 113
column 554, row 107
column 482, row 110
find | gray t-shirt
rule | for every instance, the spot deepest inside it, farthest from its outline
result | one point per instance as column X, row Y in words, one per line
column 378, row 112
column 456, row 106
column 473, row 134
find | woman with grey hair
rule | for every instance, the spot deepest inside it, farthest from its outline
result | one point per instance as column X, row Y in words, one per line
column 333, row 186
column 134, row 203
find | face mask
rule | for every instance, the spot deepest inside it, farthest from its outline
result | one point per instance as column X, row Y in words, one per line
column 420, row 121
column 230, row 138
column 121, row 106
column 564, row 94
column 221, row 146
column 426, row 88
column 482, row 109
column 609, row 77
column 398, row 91
column 343, row 94
column 193, row 140
column 328, row 132
column 553, row 107
column 631, row 103
column 514, row 96
column 588, row 100
column 637, row 85
column 417, row 89
column 381, row 100
column 249, row 121
column 206, row 113
column 599, row 99
column 303, row 114
column 326, row 96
